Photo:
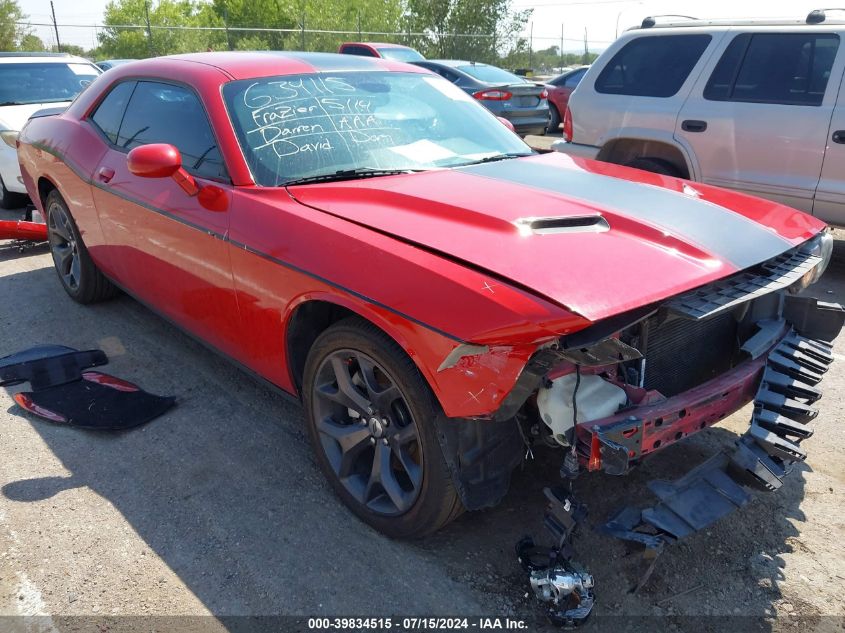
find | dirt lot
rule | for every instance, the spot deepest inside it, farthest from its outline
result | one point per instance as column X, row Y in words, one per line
column 218, row 509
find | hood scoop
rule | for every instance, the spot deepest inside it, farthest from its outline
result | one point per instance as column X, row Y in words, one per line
column 570, row 224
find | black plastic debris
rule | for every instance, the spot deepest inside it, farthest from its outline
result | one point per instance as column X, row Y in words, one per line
column 67, row 391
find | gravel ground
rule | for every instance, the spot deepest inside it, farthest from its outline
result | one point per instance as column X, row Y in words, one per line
column 218, row 509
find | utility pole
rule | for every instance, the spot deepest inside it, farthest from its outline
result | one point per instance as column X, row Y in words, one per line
column 561, row 47
column 359, row 26
column 586, row 59
column 55, row 27
column 226, row 24
column 149, row 28
column 531, row 46
column 302, row 31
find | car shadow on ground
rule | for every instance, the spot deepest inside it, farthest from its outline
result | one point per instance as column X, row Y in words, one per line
column 224, row 490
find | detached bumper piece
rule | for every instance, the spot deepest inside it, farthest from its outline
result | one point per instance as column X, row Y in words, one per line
column 66, row 391
column 763, row 456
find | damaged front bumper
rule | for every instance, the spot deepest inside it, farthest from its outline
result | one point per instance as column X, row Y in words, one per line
column 787, row 375
column 788, row 357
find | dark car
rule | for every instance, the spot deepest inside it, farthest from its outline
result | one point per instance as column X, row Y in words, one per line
column 559, row 90
column 108, row 64
column 523, row 103
column 396, row 52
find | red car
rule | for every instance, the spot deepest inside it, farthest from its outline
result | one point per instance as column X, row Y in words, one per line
column 559, row 90
column 396, row 52
column 369, row 239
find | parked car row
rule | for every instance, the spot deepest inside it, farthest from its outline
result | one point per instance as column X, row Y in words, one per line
column 756, row 105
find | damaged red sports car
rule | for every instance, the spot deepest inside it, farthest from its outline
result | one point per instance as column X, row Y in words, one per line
column 363, row 235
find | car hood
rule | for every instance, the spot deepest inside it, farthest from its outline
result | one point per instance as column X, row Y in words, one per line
column 14, row 117
column 596, row 238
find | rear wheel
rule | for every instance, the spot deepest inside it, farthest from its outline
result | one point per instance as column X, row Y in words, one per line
column 371, row 421
column 655, row 165
column 80, row 277
column 554, row 121
column 9, row 199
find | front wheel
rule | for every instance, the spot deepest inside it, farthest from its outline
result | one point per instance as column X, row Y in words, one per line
column 371, row 421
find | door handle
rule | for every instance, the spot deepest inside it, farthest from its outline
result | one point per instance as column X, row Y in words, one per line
column 838, row 136
column 691, row 125
column 105, row 174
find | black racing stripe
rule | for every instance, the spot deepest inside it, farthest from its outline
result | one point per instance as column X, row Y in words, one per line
column 80, row 174
column 720, row 231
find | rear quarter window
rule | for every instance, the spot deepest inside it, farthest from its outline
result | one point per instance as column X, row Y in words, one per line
column 109, row 113
column 776, row 68
column 652, row 66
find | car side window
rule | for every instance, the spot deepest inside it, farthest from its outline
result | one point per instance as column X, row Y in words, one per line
column 575, row 78
column 445, row 73
column 109, row 113
column 358, row 50
column 777, row 68
column 164, row 113
column 652, row 66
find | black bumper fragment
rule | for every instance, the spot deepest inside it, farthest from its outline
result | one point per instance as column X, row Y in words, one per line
column 763, row 455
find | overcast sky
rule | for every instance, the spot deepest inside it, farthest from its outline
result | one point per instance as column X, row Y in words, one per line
column 599, row 17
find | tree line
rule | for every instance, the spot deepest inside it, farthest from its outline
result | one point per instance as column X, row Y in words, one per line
column 478, row 30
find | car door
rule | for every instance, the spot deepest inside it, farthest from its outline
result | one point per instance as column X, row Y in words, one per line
column 829, row 203
column 172, row 248
column 758, row 121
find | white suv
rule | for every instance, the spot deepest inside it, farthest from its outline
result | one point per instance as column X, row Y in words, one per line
column 754, row 106
column 28, row 82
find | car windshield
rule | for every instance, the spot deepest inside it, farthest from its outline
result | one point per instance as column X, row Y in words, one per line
column 301, row 126
column 43, row 82
column 400, row 54
column 491, row 74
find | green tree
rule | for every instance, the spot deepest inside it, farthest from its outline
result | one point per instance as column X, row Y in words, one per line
column 267, row 14
column 31, row 44
column 125, row 34
column 476, row 30
column 11, row 33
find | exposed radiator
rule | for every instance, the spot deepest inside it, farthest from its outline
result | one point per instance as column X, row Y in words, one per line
column 681, row 353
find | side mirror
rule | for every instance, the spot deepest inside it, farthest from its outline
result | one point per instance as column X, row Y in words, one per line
column 156, row 160
column 504, row 122
column 161, row 160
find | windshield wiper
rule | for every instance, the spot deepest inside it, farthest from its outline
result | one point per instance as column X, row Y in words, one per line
column 8, row 103
column 348, row 174
column 497, row 157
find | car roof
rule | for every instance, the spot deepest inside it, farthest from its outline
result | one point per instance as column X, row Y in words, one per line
column 41, row 58
column 817, row 17
column 455, row 63
column 249, row 64
column 376, row 44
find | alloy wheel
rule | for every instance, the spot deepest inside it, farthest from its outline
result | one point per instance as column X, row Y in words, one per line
column 63, row 246
column 367, row 432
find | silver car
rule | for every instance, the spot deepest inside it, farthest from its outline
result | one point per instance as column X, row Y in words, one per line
column 753, row 105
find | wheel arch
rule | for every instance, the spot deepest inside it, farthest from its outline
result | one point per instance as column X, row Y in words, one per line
column 623, row 149
column 310, row 315
column 45, row 185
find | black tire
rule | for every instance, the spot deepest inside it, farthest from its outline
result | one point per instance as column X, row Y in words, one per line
column 398, row 431
column 78, row 274
column 554, row 121
column 655, row 165
column 10, row 199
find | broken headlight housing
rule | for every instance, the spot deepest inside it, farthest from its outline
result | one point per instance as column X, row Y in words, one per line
column 820, row 246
